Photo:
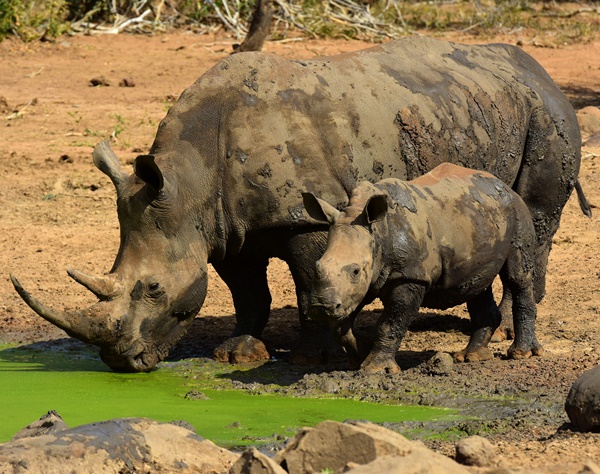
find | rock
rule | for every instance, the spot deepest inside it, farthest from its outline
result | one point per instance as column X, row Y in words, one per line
column 593, row 141
column 440, row 364
column 589, row 120
column 583, row 402
column 417, row 462
column 241, row 350
column 121, row 445
column 332, row 445
column 475, row 451
column 253, row 461
column 590, row 467
column 50, row 423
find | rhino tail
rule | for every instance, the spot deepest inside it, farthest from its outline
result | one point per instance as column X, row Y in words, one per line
column 584, row 204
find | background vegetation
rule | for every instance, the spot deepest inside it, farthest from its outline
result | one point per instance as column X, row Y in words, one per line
column 366, row 19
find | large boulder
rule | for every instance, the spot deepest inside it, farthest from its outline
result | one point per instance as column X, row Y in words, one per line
column 583, row 402
column 337, row 446
column 123, row 445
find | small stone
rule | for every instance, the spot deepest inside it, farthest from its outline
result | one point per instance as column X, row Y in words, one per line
column 99, row 81
column 127, row 82
column 583, row 402
column 330, row 386
column 440, row 364
column 195, row 395
column 475, row 451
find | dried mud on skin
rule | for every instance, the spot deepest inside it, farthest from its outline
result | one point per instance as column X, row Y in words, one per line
column 58, row 211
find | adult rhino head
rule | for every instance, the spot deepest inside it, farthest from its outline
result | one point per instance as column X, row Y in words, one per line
column 159, row 278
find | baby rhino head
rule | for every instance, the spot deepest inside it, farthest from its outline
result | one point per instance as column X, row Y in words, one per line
column 344, row 273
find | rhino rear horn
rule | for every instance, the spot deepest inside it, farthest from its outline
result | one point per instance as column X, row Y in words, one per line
column 87, row 325
column 107, row 162
column 105, row 287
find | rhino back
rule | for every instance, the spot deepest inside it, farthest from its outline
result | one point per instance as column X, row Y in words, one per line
column 452, row 233
column 256, row 130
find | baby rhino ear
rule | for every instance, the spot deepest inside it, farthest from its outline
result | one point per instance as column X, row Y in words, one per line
column 318, row 209
column 376, row 208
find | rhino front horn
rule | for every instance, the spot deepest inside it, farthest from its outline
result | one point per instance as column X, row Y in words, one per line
column 105, row 287
column 87, row 325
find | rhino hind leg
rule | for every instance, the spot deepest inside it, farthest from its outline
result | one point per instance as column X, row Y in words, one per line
column 518, row 275
column 485, row 319
column 548, row 175
column 247, row 281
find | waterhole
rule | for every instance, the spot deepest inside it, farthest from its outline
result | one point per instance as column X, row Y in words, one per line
column 75, row 383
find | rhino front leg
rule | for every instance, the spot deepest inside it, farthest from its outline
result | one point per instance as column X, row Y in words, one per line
column 247, row 281
column 317, row 343
column 506, row 330
column 401, row 305
column 485, row 318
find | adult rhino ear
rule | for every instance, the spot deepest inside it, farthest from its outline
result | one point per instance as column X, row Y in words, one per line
column 376, row 208
column 148, row 171
column 318, row 209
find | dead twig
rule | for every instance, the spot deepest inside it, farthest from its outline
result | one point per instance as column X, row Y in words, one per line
column 19, row 113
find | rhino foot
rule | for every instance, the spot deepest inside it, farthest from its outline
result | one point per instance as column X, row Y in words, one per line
column 483, row 353
column 313, row 353
column 317, row 345
column 241, row 349
column 518, row 353
column 380, row 363
column 503, row 333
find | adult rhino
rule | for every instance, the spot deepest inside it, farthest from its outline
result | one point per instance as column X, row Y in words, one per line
column 223, row 180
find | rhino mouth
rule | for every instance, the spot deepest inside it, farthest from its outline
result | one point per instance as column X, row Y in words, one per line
column 144, row 355
column 333, row 312
column 133, row 360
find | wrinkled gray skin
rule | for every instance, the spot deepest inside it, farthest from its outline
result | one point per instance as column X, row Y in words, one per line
column 223, row 180
column 437, row 241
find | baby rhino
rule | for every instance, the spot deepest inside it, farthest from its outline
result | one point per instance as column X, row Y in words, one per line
column 437, row 241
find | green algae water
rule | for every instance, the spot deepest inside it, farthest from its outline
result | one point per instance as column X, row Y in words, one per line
column 83, row 390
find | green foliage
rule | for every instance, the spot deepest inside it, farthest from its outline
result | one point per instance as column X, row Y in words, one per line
column 379, row 20
column 33, row 19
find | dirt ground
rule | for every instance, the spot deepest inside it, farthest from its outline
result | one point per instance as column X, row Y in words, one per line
column 58, row 211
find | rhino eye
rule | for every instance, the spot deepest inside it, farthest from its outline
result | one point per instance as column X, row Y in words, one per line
column 354, row 271
column 154, row 286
